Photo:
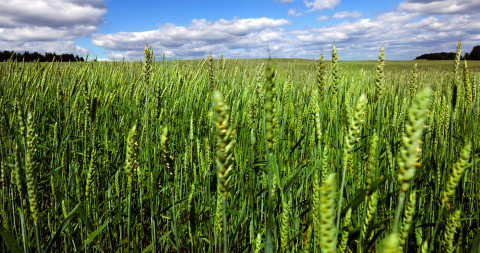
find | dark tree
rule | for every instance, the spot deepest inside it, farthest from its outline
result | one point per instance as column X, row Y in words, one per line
column 475, row 54
column 35, row 56
column 5, row 55
column 437, row 56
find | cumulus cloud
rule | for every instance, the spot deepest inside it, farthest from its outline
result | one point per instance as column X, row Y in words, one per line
column 60, row 47
column 318, row 5
column 347, row 14
column 294, row 13
column 441, row 6
column 44, row 33
column 322, row 18
column 48, row 24
column 53, row 13
column 196, row 39
column 404, row 35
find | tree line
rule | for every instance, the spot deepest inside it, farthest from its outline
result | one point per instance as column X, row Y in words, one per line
column 473, row 55
column 30, row 57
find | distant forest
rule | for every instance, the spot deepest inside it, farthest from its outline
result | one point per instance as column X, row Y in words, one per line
column 473, row 55
column 30, row 57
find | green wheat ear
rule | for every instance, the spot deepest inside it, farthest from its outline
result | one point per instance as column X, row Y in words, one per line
column 258, row 243
column 457, row 59
column 410, row 150
column 371, row 210
column 468, row 84
column 223, row 159
column 354, row 123
column 413, row 81
column 308, row 240
column 452, row 225
column 379, row 74
column 32, row 165
column 370, row 171
column 91, row 172
column 424, row 247
column 147, row 67
column 19, row 113
column 321, row 77
column 64, row 209
column 390, row 244
column 269, row 106
column 407, row 222
column 167, row 158
column 225, row 143
column 325, row 169
column 219, row 213
column 335, row 76
column 347, row 221
column 132, row 153
column 456, row 174
column 118, row 181
column 18, row 171
column 210, row 73
column 328, row 240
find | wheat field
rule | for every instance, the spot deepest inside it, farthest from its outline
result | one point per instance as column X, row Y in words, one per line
column 223, row 156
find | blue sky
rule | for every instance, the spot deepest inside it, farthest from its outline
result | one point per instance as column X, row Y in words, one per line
column 189, row 29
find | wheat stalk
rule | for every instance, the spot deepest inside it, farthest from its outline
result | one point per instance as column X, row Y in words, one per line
column 328, row 240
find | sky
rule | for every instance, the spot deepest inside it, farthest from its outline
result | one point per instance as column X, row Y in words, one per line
column 192, row 29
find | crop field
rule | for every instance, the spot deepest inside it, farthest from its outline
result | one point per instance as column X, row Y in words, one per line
column 265, row 155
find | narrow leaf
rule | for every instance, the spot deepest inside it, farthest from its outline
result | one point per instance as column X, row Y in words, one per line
column 65, row 223
column 95, row 233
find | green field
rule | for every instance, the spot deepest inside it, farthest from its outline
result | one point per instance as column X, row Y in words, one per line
column 311, row 65
column 264, row 155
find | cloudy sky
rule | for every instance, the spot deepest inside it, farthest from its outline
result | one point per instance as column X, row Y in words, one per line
column 247, row 29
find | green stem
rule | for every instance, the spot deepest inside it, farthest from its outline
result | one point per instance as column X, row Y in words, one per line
column 344, row 172
column 37, row 239
column 268, row 241
column 401, row 201
column 22, row 223
column 175, row 232
column 128, row 214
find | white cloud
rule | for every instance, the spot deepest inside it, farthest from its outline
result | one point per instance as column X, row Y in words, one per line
column 48, row 24
column 60, row 47
column 441, row 6
column 347, row 14
column 322, row 18
column 294, row 13
column 103, row 59
column 318, row 5
column 404, row 35
column 197, row 39
column 44, row 33
column 53, row 13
